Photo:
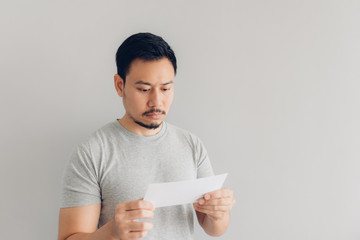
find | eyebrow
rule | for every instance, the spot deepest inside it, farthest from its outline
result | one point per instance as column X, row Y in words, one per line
column 149, row 84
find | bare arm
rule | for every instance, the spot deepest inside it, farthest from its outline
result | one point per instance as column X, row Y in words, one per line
column 80, row 223
column 213, row 211
column 213, row 227
column 77, row 223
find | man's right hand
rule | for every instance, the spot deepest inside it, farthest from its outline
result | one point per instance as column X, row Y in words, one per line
column 125, row 226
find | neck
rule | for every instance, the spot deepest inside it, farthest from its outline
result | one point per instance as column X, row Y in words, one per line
column 129, row 124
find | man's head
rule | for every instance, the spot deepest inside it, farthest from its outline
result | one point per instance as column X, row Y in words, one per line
column 148, row 65
column 145, row 46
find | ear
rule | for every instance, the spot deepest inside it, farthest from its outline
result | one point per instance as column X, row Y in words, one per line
column 119, row 85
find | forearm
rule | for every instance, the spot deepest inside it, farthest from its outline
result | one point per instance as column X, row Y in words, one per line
column 105, row 233
column 215, row 227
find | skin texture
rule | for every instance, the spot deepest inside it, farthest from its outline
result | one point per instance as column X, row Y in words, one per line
column 213, row 211
column 149, row 86
column 147, row 97
column 78, row 223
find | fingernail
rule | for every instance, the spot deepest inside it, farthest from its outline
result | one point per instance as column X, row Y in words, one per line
column 201, row 201
column 207, row 196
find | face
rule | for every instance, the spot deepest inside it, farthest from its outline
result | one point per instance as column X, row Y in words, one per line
column 148, row 91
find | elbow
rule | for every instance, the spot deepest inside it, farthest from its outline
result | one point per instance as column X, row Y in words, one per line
column 68, row 237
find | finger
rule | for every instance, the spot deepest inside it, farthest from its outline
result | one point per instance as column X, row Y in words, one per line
column 213, row 208
column 139, row 204
column 215, row 214
column 140, row 226
column 136, row 234
column 140, row 213
column 133, row 205
column 219, row 202
column 224, row 192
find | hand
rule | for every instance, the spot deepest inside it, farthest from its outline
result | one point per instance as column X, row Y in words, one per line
column 216, row 204
column 125, row 226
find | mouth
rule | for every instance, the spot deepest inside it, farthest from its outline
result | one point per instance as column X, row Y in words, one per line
column 154, row 114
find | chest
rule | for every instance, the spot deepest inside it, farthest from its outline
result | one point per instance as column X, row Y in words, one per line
column 129, row 173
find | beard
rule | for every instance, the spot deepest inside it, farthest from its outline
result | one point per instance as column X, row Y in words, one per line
column 152, row 125
column 148, row 126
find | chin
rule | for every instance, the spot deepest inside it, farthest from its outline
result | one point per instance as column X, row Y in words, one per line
column 152, row 125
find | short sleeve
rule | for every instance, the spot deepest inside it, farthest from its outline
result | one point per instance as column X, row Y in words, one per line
column 204, row 168
column 80, row 186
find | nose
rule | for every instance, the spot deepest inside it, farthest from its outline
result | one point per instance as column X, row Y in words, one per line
column 155, row 99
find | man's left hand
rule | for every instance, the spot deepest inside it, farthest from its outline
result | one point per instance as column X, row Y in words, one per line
column 216, row 204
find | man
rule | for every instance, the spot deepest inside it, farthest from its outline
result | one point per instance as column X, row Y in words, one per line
column 108, row 174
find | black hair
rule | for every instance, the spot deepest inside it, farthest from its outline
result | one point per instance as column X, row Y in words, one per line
column 146, row 46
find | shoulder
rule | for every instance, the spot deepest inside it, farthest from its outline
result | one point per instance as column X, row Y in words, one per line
column 98, row 138
column 184, row 134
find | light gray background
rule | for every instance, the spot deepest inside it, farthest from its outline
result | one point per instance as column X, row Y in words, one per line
column 271, row 87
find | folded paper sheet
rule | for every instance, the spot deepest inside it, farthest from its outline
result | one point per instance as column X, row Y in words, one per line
column 183, row 192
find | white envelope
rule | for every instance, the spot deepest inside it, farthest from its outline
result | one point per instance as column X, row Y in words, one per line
column 183, row 192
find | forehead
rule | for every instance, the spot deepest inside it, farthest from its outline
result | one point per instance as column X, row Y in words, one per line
column 151, row 71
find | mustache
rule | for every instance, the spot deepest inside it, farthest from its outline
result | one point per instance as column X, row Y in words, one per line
column 154, row 110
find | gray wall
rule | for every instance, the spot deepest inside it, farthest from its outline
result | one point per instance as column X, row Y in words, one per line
column 271, row 87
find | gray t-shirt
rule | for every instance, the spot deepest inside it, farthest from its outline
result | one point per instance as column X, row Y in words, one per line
column 114, row 165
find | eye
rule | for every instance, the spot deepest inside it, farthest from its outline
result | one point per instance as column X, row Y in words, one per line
column 143, row 89
column 165, row 89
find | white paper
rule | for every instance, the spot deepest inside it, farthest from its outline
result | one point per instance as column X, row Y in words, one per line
column 183, row 192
